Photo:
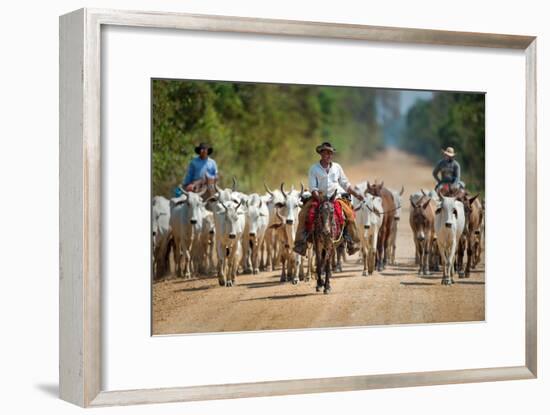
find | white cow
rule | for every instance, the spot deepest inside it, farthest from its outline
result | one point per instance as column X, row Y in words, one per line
column 186, row 221
column 368, row 220
column 287, row 212
column 230, row 221
column 162, row 235
column 449, row 225
column 257, row 220
column 396, row 218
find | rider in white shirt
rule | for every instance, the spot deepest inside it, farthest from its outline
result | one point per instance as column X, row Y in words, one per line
column 325, row 177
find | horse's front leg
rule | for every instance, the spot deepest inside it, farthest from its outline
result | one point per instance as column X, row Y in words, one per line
column 328, row 275
column 319, row 261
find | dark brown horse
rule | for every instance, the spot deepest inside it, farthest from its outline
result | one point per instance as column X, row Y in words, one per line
column 470, row 241
column 388, row 215
column 327, row 236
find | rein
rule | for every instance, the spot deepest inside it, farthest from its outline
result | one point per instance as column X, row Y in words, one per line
column 368, row 207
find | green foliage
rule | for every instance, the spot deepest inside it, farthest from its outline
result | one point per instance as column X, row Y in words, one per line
column 258, row 131
column 450, row 119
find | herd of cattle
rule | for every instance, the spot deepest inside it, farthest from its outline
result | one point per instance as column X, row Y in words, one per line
column 227, row 232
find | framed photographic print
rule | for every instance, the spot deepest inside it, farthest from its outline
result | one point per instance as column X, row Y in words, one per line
column 308, row 207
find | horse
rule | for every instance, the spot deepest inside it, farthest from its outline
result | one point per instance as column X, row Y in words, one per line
column 421, row 219
column 388, row 204
column 327, row 237
column 470, row 238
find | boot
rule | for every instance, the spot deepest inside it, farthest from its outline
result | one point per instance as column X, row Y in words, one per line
column 351, row 246
column 300, row 245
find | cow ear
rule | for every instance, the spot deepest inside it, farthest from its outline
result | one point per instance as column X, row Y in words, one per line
column 402, row 191
column 472, row 199
column 381, row 185
column 412, row 203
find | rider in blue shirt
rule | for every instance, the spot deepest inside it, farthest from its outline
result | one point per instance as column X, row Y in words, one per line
column 201, row 167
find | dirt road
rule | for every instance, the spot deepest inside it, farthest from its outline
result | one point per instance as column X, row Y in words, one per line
column 398, row 295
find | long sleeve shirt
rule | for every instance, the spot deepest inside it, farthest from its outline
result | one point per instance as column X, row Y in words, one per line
column 199, row 168
column 328, row 182
column 449, row 170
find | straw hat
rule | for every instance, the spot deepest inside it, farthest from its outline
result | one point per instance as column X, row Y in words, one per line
column 325, row 146
column 449, row 151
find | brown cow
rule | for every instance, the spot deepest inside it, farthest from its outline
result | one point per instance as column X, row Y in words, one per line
column 473, row 212
column 421, row 219
column 388, row 215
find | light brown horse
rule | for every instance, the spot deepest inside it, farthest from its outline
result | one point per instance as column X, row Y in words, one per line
column 421, row 219
column 388, row 204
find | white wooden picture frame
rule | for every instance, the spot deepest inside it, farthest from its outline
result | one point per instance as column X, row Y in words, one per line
column 80, row 206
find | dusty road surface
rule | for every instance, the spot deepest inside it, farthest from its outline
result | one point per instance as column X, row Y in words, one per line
column 398, row 295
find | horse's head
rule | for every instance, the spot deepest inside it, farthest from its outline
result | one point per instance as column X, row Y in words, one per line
column 419, row 217
column 374, row 189
column 326, row 215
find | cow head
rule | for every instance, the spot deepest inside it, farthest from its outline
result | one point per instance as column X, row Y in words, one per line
column 448, row 211
column 289, row 207
column 369, row 213
column 231, row 223
column 255, row 215
column 195, row 205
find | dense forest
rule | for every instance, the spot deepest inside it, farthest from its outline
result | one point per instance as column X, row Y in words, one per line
column 268, row 132
column 259, row 131
column 450, row 119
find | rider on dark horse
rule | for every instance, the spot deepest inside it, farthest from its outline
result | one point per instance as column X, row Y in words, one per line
column 326, row 177
column 447, row 173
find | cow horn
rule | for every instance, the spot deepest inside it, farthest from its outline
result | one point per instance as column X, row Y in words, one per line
column 381, row 184
column 423, row 192
column 412, row 203
column 218, row 188
column 301, row 189
column 202, row 192
column 368, row 185
column 333, row 195
column 283, row 189
column 234, row 186
column 184, row 192
column 268, row 190
column 402, row 190
column 238, row 205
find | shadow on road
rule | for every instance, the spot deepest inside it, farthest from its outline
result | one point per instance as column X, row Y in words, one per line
column 419, row 283
column 470, row 282
column 281, row 297
column 201, row 288
column 261, row 284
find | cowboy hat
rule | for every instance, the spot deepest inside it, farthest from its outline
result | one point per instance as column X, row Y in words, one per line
column 325, row 146
column 203, row 145
column 449, row 151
